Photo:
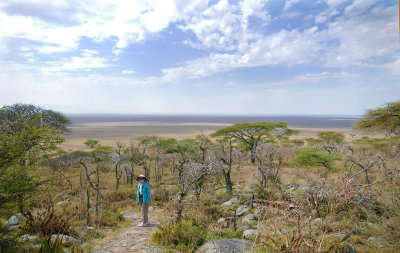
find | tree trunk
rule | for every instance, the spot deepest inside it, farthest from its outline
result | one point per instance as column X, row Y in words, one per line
column 228, row 182
column 88, row 206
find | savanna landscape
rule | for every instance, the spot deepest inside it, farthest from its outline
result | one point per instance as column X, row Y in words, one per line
column 199, row 126
column 242, row 187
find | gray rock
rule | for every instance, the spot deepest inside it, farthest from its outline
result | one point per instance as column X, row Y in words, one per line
column 221, row 220
column 242, row 210
column 248, row 218
column 15, row 220
column 338, row 235
column 230, row 202
column 249, row 233
column 86, row 231
column 12, row 227
column 33, row 239
column 244, row 227
column 66, row 239
column 225, row 246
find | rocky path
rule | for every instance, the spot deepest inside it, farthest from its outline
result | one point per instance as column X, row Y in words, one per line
column 133, row 239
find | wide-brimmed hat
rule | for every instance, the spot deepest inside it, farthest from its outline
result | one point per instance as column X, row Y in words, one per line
column 141, row 176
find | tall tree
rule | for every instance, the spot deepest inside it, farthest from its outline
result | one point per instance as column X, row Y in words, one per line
column 31, row 112
column 252, row 134
column 384, row 119
column 18, row 137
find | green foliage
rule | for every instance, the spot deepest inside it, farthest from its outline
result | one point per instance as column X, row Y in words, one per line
column 91, row 143
column 101, row 151
column 378, row 144
column 312, row 156
column 17, row 139
column 183, row 235
column 313, row 141
column 292, row 142
column 28, row 112
column 252, row 134
column 255, row 129
column 168, row 146
column 331, row 137
column 381, row 120
column 188, row 146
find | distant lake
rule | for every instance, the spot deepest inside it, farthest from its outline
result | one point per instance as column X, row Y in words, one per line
column 306, row 121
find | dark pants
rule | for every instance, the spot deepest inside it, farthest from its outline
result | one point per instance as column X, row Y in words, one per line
column 145, row 209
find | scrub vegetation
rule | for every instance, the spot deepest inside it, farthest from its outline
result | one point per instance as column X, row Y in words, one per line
column 249, row 181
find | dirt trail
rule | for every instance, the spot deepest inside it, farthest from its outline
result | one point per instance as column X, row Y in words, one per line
column 134, row 238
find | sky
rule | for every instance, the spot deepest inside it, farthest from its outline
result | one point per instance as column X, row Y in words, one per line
column 197, row 56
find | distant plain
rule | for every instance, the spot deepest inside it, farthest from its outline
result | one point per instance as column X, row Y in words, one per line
column 109, row 129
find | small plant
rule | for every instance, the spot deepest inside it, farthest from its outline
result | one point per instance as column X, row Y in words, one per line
column 183, row 235
column 91, row 143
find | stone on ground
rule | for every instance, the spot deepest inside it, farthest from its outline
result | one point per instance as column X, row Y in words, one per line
column 249, row 233
column 225, row 246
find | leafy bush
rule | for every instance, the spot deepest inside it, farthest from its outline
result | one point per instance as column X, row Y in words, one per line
column 311, row 156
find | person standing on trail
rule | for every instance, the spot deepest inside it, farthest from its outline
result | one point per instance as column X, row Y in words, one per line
column 143, row 199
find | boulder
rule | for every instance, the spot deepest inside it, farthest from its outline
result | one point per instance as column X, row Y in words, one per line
column 242, row 210
column 65, row 239
column 223, row 222
column 15, row 220
column 225, row 246
column 249, row 233
column 230, row 202
column 248, row 219
column 32, row 239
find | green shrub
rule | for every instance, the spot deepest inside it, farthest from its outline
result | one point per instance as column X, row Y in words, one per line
column 312, row 156
column 183, row 235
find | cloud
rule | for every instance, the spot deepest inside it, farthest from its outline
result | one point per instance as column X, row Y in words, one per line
column 234, row 35
column 289, row 4
column 226, row 26
column 75, row 63
column 346, row 41
column 335, row 3
column 128, row 72
column 59, row 25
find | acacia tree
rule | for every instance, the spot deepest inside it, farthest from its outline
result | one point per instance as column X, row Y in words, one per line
column 188, row 172
column 385, row 119
column 18, row 137
column 118, row 158
column 270, row 158
column 252, row 134
column 32, row 113
column 224, row 153
column 147, row 143
column 91, row 143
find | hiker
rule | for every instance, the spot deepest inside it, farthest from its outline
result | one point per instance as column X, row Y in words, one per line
column 143, row 199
